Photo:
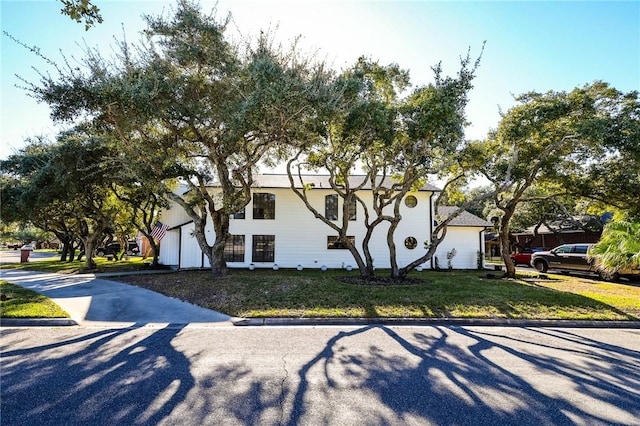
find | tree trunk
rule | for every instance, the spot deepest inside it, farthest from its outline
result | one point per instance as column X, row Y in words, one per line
column 67, row 246
column 393, row 255
column 89, row 247
column 365, row 269
column 216, row 253
column 156, row 252
column 505, row 243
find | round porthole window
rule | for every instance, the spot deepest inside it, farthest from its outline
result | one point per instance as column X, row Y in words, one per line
column 411, row 201
column 410, row 243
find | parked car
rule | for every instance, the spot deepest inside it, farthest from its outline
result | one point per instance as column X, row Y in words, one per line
column 573, row 257
column 524, row 257
column 114, row 248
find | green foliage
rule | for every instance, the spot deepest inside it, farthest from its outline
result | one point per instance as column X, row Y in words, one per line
column 400, row 136
column 479, row 206
column 619, row 246
column 79, row 10
column 188, row 104
column 65, row 187
column 553, row 140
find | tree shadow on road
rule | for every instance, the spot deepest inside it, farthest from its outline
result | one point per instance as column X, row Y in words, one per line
column 371, row 375
column 442, row 376
column 445, row 384
column 116, row 376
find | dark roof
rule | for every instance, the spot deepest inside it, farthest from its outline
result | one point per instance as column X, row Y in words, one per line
column 464, row 219
column 317, row 181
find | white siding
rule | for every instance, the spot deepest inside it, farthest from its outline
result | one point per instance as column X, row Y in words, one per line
column 301, row 239
column 169, row 248
column 466, row 241
column 175, row 215
column 190, row 255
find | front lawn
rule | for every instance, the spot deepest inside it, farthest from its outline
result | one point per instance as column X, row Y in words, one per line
column 313, row 293
column 457, row 294
column 133, row 263
column 19, row 302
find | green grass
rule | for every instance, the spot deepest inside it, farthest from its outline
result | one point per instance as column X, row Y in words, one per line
column 312, row 293
column 134, row 263
column 23, row 303
column 457, row 294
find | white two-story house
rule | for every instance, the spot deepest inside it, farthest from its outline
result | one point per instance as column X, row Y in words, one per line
column 276, row 228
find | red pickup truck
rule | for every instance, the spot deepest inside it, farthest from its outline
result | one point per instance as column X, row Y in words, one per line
column 524, row 257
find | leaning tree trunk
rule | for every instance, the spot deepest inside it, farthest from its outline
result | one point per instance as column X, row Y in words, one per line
column 393, row 257
column 505, row 243
column 89, row 247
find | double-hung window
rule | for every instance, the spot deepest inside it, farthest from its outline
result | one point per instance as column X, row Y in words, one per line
column 331, row 207
column 264, row 248
column 264, row 205
column 234, row 249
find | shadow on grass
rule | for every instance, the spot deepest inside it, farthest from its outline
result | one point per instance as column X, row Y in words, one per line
column 320, row 294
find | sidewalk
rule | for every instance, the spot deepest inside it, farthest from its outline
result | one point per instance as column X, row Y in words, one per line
column 98, row 302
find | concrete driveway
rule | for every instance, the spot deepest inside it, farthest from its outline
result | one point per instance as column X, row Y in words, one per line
column 92, row 301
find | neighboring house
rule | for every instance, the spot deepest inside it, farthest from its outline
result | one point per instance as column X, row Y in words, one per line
column 550, row 238
column 277, row 228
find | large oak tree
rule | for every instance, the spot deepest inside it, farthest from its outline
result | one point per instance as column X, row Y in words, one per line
column 189, row 104
column 400, row 140
column 552, row 139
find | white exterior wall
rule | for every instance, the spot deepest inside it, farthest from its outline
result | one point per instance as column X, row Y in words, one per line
column 466, row 241
column 175, row 215
column 190, row 253
column 169, row 248
column 301, row 239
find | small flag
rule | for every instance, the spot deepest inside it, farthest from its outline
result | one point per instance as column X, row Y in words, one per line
column 159, row 229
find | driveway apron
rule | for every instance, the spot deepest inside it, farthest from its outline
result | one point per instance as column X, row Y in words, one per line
column 93, row 301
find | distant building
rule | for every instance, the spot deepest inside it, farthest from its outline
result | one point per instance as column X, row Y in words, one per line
column 548, row 238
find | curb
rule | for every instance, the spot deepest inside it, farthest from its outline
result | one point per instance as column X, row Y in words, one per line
column 36, row 322
column 421, row 322
column 415, row 322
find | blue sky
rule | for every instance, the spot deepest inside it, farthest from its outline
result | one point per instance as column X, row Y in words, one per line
column 530, row 45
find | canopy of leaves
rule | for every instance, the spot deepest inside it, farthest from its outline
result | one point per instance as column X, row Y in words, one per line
column 187, row 103
column 79, row 10
column 619, row 248
column 553, row 140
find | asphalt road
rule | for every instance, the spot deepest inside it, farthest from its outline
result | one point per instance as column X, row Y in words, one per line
column 13, row 256
column 370, row 375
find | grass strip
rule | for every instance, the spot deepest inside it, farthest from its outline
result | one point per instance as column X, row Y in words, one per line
column 133, row 263
column 19, row 302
